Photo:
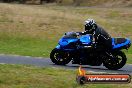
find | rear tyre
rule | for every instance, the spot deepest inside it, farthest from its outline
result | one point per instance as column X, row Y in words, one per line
column 60, row 57
column 117, row 62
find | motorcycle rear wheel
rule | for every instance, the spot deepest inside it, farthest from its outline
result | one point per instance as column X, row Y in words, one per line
column 116, row 63
column 60, row 57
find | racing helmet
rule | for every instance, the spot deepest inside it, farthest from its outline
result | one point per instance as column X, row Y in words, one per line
column 90, row 25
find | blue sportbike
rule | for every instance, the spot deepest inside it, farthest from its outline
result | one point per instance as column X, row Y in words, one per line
column 82, row 49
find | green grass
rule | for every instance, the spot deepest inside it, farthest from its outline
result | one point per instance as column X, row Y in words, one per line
column 20, row 76
column 27, row 46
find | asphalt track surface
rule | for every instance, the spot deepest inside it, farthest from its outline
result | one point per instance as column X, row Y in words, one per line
column 46, row 62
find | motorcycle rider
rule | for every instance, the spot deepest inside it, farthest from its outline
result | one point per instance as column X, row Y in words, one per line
column 102, row 38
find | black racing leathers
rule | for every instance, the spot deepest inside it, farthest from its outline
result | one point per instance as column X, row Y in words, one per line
column 102, row 38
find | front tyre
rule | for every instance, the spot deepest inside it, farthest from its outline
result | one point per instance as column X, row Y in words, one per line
column 60, row 57
column 117, row 62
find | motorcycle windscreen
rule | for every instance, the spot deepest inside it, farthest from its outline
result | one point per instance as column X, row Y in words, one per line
column 86, row 39
column 118, row 43
column 66, row 41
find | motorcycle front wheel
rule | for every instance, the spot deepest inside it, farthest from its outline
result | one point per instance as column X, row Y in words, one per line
column 117, row 62
column 60, row 57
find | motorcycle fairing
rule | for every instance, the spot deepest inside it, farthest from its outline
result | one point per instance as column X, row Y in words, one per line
column 65, row 42
column 85, row 39
column 123, row 43
column 58, row 46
